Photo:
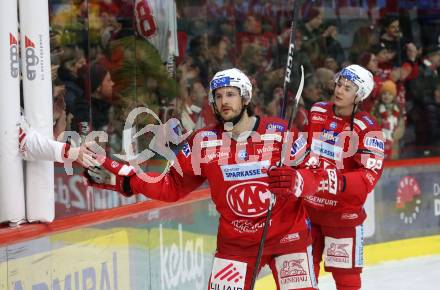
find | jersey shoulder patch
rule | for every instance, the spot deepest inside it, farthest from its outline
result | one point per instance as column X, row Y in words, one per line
column 365, row 121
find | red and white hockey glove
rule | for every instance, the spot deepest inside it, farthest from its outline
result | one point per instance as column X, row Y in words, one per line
column 285, row 181
column 331, row 181
column 111, row 175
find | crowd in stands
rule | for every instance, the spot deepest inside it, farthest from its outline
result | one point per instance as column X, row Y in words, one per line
column 103, row 67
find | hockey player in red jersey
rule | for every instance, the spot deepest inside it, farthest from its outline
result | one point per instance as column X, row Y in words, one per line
column 234, row 157
column 346, row 152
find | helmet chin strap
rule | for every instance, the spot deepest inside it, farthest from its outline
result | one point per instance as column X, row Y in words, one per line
column 352, row 113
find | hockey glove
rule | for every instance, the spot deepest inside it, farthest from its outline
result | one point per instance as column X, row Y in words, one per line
column 111, row 175
column 331, row 181
column 285, row 181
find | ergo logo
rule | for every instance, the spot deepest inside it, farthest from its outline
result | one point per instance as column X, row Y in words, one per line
column 14, row 56
column 31, row 59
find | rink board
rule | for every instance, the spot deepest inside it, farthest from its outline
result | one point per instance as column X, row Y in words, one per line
column 170, row 246
column 167, row 248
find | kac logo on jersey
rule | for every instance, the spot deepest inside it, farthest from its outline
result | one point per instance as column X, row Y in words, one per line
column 14, row 56
column 249, row 199
column 245, row 171
column 242, row 154
column 374, row 143
column 333, row 125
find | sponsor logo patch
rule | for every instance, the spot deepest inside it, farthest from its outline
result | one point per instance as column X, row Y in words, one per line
column 245, row 171
column 14, row 56
column 349, row 216
column 31, row 59
column 220, row 82
column 227, row 274
column 275, row 126
column 293, row 271
column 326, row 150
column 329, row 136
column 261, row 149
column 299, row 144
column 338, row 252
column 271, row 137
column 246, row 226
column 318, row 118
column 333, row 125
column 211, row 143
column 208, row 133
column 374, row 144
column 369, row 121
column 289, row 238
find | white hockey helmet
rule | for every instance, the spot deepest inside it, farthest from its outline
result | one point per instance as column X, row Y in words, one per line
column 361, row 77
column 231, row 78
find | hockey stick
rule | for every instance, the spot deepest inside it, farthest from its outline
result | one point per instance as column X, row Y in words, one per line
column 289, row 63
column 287, row 79
column 272, row 197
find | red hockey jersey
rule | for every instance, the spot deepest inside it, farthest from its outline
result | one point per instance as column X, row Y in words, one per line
column 358, row 155
column 237, row 174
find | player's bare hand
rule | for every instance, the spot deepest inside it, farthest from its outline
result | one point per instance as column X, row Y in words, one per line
column 84, row 155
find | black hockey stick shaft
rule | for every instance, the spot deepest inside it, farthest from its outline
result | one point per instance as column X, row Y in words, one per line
column 289, row 63
column 262, row 240
column 287, row 80
column 272, row 198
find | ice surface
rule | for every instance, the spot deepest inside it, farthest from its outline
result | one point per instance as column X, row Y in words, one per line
column 421, row 273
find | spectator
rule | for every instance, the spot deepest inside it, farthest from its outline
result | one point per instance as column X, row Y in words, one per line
column 273, row 108
column 330, row 46
column 60, row 120
column 424, row 85
column 311, row 34
column 326, row 81
column 432, row 109
column 312, row 91
column 254, row 35
column 363, row 40
column 92, row 111
column 422, row 90
column 218, row 54
column 192, row 105
column 405, row 51
column 370, row 62
column 400, row 74
column 389, row 116
column 72, row 60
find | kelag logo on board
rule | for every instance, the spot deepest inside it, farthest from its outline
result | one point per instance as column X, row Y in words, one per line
column 14, row 56
column 408, row 199
column 31, row 59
